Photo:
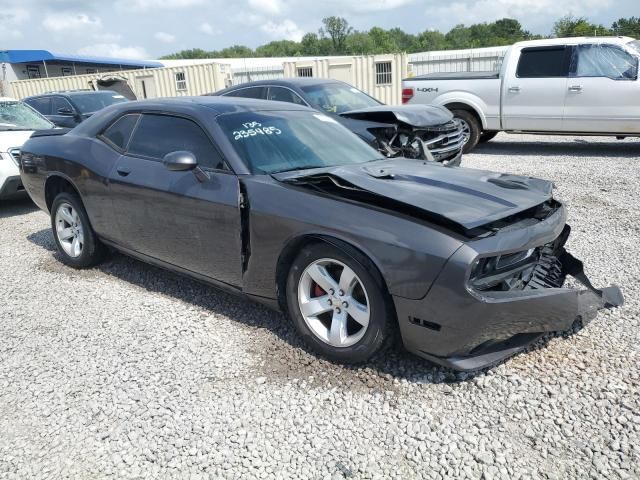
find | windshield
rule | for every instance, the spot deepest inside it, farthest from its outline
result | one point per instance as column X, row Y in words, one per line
column 94, row 101
column 635, row 46
column 19, row 116
column 272, row 142
column 337, row 98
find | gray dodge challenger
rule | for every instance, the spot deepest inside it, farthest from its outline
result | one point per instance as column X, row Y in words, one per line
column 285, row 205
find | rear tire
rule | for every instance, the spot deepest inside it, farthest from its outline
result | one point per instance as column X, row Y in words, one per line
column 348, row 283
column 77, row 243
column 486, row 136
column 471, row 128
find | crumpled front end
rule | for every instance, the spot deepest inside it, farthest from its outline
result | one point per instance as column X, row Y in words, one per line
column 499, row 294
column 423, row 132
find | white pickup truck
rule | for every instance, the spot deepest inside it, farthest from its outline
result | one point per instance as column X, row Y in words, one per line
column 584, row 86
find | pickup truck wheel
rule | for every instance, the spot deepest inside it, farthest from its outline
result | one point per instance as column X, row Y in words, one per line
column 338, row 304
column 471, row 129
column 486, row 136
column 77, row 243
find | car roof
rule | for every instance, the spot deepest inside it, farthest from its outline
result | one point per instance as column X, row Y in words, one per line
column 573, row 41
column 287, row 82
column 219, row 105
column 71, row 93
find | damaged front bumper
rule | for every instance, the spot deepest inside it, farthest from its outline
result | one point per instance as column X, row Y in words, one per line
column 460, row 327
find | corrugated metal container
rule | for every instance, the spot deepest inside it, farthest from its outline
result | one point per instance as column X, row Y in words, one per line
column 378, row 75
column 146, row 83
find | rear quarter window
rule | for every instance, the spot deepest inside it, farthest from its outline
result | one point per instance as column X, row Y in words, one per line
column 119, row 133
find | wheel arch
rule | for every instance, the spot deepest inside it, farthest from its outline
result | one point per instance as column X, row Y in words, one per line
column 293, row 246
column 469, row 108
column 57, row 183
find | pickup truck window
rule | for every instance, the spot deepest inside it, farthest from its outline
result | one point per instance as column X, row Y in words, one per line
column 598, row 60
column 543, row 62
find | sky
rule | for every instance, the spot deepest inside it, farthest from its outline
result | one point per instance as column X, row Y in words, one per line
column 147, row 29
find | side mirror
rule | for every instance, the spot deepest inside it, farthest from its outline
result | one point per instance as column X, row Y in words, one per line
column 180, row 161
column 65, row 111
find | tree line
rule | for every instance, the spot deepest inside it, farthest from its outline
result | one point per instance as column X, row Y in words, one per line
column 337, row 37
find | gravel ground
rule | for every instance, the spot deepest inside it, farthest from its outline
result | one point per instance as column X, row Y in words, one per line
column 127, row 371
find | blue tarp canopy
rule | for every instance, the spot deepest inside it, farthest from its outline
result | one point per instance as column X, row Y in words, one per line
column 31, row 56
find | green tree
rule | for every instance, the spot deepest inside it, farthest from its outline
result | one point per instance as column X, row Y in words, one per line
column 629, row 27
column 570, row 26
column 359, row 43
column 279, row 48
column 337, row 29
column 430, row 40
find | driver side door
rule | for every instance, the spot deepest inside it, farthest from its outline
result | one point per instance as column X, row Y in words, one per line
column 188, row 219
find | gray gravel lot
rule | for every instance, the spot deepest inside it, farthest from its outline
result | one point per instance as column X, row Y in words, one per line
column 127, row 371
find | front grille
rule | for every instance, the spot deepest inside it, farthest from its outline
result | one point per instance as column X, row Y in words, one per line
column 445, row 139
column 14, row 153
column 547, row 272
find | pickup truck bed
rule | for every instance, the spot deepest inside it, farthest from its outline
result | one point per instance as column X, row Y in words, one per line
column 457, row 76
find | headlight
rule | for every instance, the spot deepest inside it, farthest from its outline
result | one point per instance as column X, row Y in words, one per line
column 504, row 272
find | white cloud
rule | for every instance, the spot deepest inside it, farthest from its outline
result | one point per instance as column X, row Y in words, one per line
column 70, row 22
column 107, row 37
column 287, row 29
column 271, row 7
column 164, row 37
column 530, row 13
column 13, row 16
column 208, row 29
column 113, row 50
column 158, row 4
column 369, row 5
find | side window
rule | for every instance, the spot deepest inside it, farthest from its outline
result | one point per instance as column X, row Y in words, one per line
column 595, row 60
column 59, row 103
column 41, row 104
column 543, row 62
column 250, row 92
column 119, row 132
column 280, row 94
column 157, row 135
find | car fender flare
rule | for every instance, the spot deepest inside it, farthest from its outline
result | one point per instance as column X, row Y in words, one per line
column 465, row 102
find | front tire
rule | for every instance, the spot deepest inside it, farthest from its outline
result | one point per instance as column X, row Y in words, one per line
column 338, row 303
column 77, row 243
column 471, row 128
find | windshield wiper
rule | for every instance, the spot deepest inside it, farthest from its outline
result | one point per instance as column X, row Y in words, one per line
column 294, row 169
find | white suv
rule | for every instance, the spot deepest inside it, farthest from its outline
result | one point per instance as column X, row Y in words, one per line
column 17, row 123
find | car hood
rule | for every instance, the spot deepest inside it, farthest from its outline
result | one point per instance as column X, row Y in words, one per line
column 466, row 197
column 13, row 139
column 413, row 115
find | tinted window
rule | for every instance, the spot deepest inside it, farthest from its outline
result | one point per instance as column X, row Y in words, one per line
column 280, row 94
column 57, row 103
column 157, row 135
column 271, row 142
column 42, row 104
column 543, row 62
column 597, row 60
column 93, row 101
column 120, row 131
column 250, row 92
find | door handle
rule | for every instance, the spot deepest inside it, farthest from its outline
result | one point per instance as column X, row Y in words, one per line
column 514, row 89
column 575, row 88
column 123, row 171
